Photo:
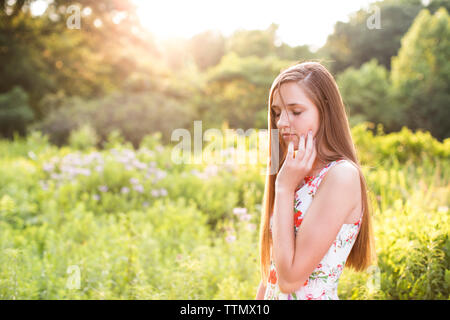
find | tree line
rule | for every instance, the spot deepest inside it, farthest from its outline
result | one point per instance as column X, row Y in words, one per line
column 115, row 75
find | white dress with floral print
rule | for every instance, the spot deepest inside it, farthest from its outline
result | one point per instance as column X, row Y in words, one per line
column 323, row 281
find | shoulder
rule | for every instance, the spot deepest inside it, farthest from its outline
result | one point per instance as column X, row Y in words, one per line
column 342, row 179
column 343, row 172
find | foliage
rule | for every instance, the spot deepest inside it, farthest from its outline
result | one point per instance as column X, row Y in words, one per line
column 367, row 92
column 216, row 78
column 110, row 203
column 45, row 57
column 421, row 73
column 135, row 225
column 236, row 90
column 401, row 146
column 207, row 48
column 134, row 115
column 258, row 43
column 353, row 43
column 83, row 138
column 15, row 112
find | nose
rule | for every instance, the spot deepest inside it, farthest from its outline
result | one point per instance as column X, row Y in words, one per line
column 283, row 120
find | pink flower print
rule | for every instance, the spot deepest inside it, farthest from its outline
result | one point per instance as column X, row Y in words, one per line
column 308, row 179
column 298, row 219
column 273, row 277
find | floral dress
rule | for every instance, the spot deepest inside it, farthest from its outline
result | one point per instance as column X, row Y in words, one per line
column 323, row 281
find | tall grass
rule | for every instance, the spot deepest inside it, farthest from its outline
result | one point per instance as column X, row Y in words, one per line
column 131, row 224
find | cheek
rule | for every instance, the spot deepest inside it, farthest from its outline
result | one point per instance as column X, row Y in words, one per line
column 307, row 123
column 312, row 123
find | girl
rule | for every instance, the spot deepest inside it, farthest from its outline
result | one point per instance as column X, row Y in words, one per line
column 307, row 233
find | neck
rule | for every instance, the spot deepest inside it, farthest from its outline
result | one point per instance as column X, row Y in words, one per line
column 317, row 166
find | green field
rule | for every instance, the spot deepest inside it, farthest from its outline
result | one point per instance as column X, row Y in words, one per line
column 130, row 224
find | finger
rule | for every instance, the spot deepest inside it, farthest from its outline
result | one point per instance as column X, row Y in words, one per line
column 301, row 148
column 308, row 148
column 312, row 157
column 290, row 150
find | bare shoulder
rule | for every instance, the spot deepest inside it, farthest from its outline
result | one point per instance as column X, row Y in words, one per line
column 344, row 172
column 343, row 178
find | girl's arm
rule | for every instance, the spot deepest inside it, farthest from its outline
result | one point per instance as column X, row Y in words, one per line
column 283, row 237
column 261, row 291
column 296, row 257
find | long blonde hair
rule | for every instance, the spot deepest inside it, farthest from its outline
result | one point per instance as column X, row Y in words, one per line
column 334, row 133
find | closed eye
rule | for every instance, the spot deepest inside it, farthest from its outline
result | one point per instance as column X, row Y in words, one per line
column 295, row 114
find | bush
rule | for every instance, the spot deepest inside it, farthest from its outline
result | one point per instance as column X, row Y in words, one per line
column 133, row 115
column 366, row 93
column 15, row 112
column 420, row 73
column 402, row 146
column 83, row 138
column 136, row 226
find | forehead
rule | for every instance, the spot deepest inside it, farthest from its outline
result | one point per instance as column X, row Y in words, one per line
column 293, row 96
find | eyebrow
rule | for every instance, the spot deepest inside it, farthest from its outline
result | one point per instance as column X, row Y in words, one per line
column 295, row 104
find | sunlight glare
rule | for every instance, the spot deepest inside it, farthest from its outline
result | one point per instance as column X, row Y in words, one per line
column 300, row 22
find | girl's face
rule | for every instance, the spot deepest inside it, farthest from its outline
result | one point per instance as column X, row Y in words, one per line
column 298, row 116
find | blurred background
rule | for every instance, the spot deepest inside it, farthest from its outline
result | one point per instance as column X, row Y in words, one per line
column 142, row 67
column 92, row 206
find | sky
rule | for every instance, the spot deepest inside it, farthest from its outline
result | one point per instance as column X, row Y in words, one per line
column 300, row 22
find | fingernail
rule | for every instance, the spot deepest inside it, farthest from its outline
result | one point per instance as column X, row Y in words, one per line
column 310, row 132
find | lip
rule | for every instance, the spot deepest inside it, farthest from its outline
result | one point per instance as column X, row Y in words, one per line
column 288, row 136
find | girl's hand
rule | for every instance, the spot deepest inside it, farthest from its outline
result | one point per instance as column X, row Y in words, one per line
column 294, row 170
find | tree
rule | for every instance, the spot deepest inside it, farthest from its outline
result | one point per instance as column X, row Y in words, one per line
column 207, row 48
column 15, row 113
column 45, row 57
column 421, row 73
column 367, row 95
column 297, row 53
column 258, row 43
column 236, row 90
column 353, row 43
